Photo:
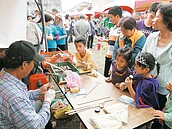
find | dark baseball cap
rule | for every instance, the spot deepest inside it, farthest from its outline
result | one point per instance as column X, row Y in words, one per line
column 47, row 18
column 24, row 51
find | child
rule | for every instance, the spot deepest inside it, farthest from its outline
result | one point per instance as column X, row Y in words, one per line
column 119, row 67
column 144, row 87
column 167, row 114
column 83, row 56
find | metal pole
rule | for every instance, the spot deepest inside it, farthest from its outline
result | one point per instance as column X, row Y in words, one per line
column 43, row 25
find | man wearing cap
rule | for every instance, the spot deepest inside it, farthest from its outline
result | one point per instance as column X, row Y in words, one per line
column 16, row 102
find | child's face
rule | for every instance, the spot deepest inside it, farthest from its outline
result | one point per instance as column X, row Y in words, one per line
column 139, row 70
column 80, row 47
column 121, row 63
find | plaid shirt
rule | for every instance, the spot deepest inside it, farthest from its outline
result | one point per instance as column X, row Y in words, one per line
column 17, row 105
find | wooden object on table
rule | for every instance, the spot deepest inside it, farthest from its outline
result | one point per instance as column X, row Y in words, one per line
column 82, row 71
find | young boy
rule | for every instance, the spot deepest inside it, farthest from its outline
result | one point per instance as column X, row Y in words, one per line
column 115, row 14
column 84, row 57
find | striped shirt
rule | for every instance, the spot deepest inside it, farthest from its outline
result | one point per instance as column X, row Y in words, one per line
column 113, row 34
column 17, row 105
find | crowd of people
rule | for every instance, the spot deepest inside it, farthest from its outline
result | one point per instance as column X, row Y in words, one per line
column 138, row 47
column 151, row 41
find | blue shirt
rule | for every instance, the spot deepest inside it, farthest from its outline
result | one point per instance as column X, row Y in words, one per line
column 47, row 29
column 53, row 31
column 48, row 32
column 61, row 32
column 17, row 105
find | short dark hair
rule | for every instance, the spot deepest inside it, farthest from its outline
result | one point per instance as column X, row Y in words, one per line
column 82, row 16
column 80, row 39
column 153, row 7
column 66, row 16
column 126, row 52
column 146, row 11
column 115, row 10
column 165, row 10
column 128, row 23
column 55, row 10
column 47, row 18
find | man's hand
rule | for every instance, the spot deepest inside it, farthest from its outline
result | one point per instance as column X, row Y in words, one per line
column 45, row 87
column 49, row 95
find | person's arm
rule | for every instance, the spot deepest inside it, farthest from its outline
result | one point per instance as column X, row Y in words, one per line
column 23, row 114
column 89, row 29
column 75, row 31
column 77, row 58
column 158, row 114
column 138, row 47
column 64, row 34
column 147, row 43
column 90, row 61
column 49, row 34
column 168, row 115
column 100, row 39
column 128, row 83
column 38, row 33
column 34, row 94
column 50, row 37
column 116, row 46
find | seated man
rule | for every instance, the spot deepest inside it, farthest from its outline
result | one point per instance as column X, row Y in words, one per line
column 16, row 102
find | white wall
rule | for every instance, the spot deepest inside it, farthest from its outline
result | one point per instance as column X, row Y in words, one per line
column 13, row 15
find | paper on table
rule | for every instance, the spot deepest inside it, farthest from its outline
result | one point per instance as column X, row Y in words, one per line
column 81, row 92
column 105, row 121
column 127, row 100
column 119, row 110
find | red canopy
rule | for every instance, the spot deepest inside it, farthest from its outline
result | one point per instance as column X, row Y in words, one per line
column 126, row 5
column 133, row 5
column 125, row 8
column 142, row 5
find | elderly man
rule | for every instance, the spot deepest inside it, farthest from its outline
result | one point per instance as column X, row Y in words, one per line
column 16, row 102
column 82, row 27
